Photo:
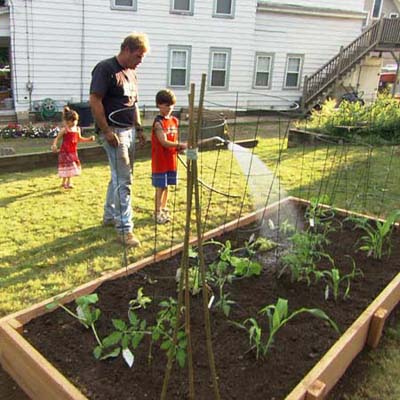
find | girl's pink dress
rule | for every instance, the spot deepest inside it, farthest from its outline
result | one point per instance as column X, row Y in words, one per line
column 68, row 161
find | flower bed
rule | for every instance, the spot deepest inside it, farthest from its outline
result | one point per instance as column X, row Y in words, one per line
column 304, row 347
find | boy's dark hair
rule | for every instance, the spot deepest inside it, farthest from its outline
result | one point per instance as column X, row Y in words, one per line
column 70, row 115
column 165, row 96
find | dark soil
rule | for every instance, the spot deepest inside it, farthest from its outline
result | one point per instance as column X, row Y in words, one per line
column 297, row 347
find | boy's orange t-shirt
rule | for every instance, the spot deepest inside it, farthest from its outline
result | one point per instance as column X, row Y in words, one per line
column 164, row 159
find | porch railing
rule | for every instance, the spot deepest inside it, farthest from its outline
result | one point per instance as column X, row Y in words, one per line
column 384, row 33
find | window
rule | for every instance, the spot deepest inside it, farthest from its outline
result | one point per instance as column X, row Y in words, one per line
column 220, row 60
column 262, row 70
column 178, row 66
column 182, row 7
column 124, row 5
column 294, row 63
column 224, row 8
column 393, row 15
column 377, row 8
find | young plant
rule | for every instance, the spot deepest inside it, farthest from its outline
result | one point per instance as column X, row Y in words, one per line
column 86, row 313
column 307, row 250
column 124, row 338
column 195, row 283
column 243, row 266
column 163, row 332
column 141, row 301
column 259, row 245
column 378, row 237
column 334, row 280
column 219, row 274
column 278, row 316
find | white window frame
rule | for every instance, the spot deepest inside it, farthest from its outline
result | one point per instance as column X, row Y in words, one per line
column 271, row 63
column 115, row 6
column 228, row 52
column 223, row 15
column 182, row 12
column 188, row 51
column 380, row 9
column 299, row 72
column 394, row 15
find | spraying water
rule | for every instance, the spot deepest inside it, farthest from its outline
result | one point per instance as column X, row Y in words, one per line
column 263, row 185
column 264, row 188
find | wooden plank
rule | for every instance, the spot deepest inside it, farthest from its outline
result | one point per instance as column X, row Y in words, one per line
column 33, row 373
column 376, row 327
column 335, row 362
column 316, row 391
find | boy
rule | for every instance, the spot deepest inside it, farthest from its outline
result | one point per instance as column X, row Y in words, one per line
column 164, row 149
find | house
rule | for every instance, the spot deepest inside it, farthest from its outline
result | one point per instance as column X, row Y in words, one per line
column 255, row 53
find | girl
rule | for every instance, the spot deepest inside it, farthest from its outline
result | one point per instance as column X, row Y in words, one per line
column 68, row 161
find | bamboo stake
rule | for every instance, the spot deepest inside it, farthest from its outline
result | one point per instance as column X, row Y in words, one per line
column 207, row 324
column 188, row 216
column 184, row 275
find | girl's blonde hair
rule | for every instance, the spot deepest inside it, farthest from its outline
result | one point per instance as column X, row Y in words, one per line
column 70, row 115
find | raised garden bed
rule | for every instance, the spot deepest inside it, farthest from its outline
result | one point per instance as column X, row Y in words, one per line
column 50, row 354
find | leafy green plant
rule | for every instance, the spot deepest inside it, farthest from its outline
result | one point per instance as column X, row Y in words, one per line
column 278, row 316
column 258, row 245
column 334, row 280
column 124, row 338
column 378, row 122
column 377, row 237
column 141, row 301
column 86, row 313
column 163, row 330
column 243, row 266
column 218, row 274
column 307, row 249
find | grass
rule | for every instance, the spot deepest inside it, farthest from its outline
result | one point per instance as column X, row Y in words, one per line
column 52, row 240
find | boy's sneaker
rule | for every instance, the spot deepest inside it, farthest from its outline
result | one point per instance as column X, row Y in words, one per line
column 129, row 239
column 161, row 218
column 165, row 211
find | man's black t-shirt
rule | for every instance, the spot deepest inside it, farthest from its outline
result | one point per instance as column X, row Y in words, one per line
column 118, row 86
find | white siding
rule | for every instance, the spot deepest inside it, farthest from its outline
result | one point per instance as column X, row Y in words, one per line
column 57, row 53
column 318, row 39
column 57, row 44
column 351, row 5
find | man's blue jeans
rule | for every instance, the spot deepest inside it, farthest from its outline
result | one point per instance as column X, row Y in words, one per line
column 118, row 208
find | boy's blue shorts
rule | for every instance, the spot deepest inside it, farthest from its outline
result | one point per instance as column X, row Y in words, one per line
column 163, row 179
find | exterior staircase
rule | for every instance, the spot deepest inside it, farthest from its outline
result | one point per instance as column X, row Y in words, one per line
column 383, row 35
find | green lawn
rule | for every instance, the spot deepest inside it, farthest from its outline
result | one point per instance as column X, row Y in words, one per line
column 52, row 240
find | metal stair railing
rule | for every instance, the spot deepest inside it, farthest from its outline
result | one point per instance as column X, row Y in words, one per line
column 382, row 32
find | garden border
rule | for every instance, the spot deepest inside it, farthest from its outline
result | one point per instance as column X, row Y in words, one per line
column 40, row 380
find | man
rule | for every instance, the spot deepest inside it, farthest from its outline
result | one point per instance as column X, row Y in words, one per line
column 113, row 100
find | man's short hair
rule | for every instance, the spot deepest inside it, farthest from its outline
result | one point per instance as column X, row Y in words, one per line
column 165, row 96
column 136, row 41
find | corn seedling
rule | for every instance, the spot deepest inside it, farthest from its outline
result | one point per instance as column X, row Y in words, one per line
column 334, row 280
column 278, row 316
column 378, row 237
